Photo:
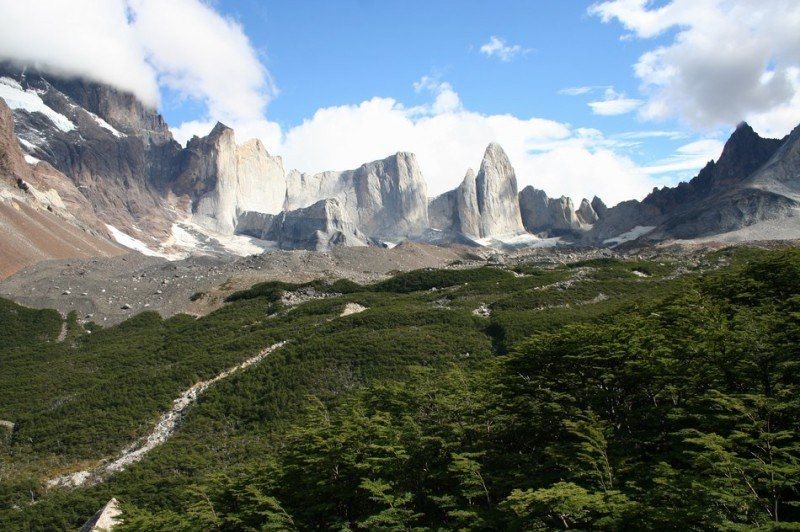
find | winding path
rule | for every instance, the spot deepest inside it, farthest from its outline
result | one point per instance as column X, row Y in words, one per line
column 165, row 427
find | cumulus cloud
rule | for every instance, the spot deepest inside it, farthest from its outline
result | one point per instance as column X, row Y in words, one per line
column 447, row 99
column 139, row 45
column 497, row 47
column 448, row 139
column 728, row 59
column 614, row 103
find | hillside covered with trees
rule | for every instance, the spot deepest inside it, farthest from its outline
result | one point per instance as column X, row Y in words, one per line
column 603, row 394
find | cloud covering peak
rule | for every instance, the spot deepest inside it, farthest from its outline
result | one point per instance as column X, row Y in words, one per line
column 138, row 45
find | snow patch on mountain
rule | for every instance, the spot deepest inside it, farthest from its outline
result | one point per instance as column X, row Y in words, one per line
column 133, row 243
column 18, row 98
column 518, row 241
column 627, row 236
column 105, row 125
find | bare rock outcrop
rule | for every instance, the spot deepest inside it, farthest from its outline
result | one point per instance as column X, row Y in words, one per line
column 541, row 214
column 457, row 210
column 496, row 195
column 320, row 226
column 224, row 180
column 599, row 207
column 483, row 205
column 105, row 520
column 386, row 199
column 586, row 213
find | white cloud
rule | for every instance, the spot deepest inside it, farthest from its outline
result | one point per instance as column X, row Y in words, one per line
column 497, row 47
column 137, row 45
column 81, row 37
column 688, row 157
column 576, row 91
column 728, row 59
column 447, row 100
column 614, row 103
column 448, row 139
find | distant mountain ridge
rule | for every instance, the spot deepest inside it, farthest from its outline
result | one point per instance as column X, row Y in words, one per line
column 116, row 163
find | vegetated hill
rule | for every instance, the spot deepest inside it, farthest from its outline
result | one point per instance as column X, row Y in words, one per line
column 601, row 394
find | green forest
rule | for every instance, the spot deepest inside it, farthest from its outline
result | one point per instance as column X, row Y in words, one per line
column 604, row 394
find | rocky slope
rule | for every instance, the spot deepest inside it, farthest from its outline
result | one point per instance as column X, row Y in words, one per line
column 754, row 180
column 42, row 213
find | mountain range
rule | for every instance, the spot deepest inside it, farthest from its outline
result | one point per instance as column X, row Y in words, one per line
column 88, row 170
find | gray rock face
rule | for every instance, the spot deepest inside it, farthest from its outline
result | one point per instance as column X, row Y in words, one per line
column 457, row 210
column 386, row 199
column 753, row 180
column 224, row 180
column 255, row 224
column 541, row 214
column 320, row 226
column 469, row 211
column 442, row 213
column 496, row 195
column 12, row 161
column 483, row 205
column 599, row 207
column 586, row 213
column 115, row 151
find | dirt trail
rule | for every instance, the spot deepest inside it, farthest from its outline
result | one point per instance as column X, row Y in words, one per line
column 165, row 427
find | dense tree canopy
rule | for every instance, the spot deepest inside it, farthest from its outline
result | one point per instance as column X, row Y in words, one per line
column 673, row 402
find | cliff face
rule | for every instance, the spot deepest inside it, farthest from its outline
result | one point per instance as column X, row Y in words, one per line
column 555, row 216
column 320, row 226
column 387, row 199
column 224, row 180
column 483, row 205
column 496, row 195
column 42, row 214
column 115, row 150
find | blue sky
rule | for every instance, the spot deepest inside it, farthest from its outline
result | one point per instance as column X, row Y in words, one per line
column 657, row 85
column 323, row 53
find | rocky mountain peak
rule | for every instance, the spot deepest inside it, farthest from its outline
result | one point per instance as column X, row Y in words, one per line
column 599, row 206
column 496, row 194
column 586, row 213
column 495, row 159
column 744, row 152
column 219, row 130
